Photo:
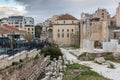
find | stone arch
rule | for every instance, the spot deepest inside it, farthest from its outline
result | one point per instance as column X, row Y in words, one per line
column 50, row 31
column 50, row 35
column 97, row 44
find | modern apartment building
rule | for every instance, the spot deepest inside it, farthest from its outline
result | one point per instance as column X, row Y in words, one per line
column 29, row 26
column 20, row 22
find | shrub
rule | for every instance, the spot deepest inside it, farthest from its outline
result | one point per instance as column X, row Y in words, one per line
column 21, row 60
column 74, row 66
column 41, row 76
column 52, row 51
column 36, row 57
column 14, row 63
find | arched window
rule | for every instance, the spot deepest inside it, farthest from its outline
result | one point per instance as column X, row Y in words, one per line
column 97, row 45
column 72, row 30
column 67, row 30
column 67, row 35
column 58, row 30
column 58, row 35
column 62, row 30
column 62, row 35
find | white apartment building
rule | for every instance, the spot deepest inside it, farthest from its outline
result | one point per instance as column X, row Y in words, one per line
column 20, row 22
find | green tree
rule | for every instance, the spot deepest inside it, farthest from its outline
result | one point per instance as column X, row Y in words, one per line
column 38, row 30
column 52, row 51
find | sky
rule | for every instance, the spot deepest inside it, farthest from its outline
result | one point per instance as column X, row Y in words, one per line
column 41, row 10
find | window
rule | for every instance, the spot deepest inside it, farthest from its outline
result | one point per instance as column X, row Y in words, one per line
column 62, row 35
column 58, row 30
column 16, row 26
column 102, row 16
column 62, row 30
column 72, row 22
column 67, row 30
column 111, row 23
column 64, row 22
column 32, row 29
column 72, row 30
column 102, row 13
column 67, row 35
column 114, row 35
column 58, row 35
column 28, row 29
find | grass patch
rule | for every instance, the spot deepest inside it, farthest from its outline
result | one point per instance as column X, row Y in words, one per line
column 111, row 58
column 72, row 47
column 42, row 75
column 75, row 47
column 85, row 58
column 83, row 73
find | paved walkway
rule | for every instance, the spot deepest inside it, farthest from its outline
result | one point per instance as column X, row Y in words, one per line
column 69, row 56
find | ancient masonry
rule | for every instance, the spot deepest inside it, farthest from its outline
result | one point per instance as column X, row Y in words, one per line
column 30, row 71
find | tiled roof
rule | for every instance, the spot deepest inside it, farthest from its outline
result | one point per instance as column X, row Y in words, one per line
column 3, row 30
column 66, row 17
column 7, row 29
column 11, row 28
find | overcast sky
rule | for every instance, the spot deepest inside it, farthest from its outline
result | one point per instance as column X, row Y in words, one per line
column 43, row 9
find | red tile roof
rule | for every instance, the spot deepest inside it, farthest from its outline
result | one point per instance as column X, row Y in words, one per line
column 3, row 30
column 7, row 29
column 66, row 17
column 11, row 28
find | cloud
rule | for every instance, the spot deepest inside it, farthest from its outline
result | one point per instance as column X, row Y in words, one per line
column 43, row 9
column 8, row 11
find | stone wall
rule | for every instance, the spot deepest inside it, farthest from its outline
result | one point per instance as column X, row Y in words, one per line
column 111, row 46
column 29, row 71
column 7, row 61
column 3, row 61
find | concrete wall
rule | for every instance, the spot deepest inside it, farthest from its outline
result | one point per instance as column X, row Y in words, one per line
column 111, row 46
column 89, row 45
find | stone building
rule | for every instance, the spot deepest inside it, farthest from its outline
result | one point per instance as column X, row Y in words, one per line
column 115, row 25
column 112, row 21
column 102, row 14
column 66, row 30
column 118, row 16
column 94, row 27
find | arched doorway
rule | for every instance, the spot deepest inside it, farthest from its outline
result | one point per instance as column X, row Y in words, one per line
column 98, row 45
column 50, row 35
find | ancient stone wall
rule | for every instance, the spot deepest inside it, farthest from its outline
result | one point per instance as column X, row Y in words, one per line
column 7, row 61
column 29, row 71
